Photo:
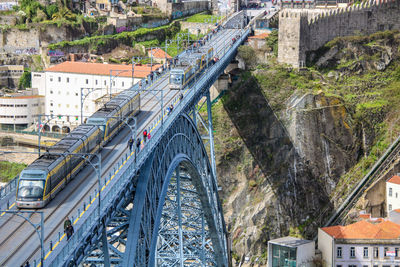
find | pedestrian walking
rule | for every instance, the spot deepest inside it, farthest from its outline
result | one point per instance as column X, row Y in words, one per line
column 171, row 107
column 67, row 223
column 180, row 97
column 138, row 144
column 70, row 231
column 144, row 135
column 27, row 264
column 148, row 136
column 130, row 144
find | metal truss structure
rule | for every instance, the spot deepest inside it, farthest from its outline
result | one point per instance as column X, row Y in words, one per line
column 161, row 208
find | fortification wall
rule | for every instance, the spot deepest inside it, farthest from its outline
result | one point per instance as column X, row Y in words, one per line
column 303, row 30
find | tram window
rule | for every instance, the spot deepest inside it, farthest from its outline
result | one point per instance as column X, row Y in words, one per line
column 176, row 78
column 30, row 188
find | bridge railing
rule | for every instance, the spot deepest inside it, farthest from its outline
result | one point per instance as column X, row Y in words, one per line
column 120, row 176
column 8, row 188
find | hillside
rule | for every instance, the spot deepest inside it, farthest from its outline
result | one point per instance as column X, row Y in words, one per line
column 291, row 144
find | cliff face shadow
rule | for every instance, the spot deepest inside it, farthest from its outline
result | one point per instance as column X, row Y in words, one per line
column 299, row 195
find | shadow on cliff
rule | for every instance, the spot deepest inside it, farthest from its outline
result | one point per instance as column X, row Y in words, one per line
column 299, row 195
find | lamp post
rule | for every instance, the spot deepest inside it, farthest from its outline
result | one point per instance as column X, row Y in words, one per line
column 83, row 96
column 112, row 77
column 36, row 226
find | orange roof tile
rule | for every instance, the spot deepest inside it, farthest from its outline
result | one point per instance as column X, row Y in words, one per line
column 260, row 36
column 159, row 53
column 102, row 69
column 365, row 230
column 394, row 180
column 397, row 210
column 365, row 216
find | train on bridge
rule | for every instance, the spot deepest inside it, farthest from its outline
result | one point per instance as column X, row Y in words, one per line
column 49, row 174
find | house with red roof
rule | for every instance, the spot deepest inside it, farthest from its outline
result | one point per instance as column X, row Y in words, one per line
column 393, row 193
column 158, row 55
column 360, row 244
column 73, row 87
column 258, row 41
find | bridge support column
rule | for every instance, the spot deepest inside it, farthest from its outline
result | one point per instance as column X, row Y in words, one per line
column 179, row 210
column 105, row 247
column 211, row 137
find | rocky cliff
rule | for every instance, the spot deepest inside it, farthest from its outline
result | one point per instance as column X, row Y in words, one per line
column 289, row 144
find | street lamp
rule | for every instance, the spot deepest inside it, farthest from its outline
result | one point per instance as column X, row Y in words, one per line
column 112, row 77
column 36, row 226
column 83, row 97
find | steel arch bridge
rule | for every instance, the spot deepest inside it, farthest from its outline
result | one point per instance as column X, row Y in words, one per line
column 161, row 208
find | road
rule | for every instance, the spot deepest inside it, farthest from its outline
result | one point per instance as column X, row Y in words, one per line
column 19, row 242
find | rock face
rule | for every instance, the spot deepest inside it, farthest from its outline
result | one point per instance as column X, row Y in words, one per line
column 277, row 173
column 321, row 130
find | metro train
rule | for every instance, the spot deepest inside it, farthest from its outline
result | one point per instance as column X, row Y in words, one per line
column 47, row 175
column 185, row 71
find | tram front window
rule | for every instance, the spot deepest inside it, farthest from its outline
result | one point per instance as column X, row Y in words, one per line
column 176, row 79
column 30, row 188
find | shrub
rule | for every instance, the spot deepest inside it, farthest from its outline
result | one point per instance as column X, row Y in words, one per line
column 25, row 80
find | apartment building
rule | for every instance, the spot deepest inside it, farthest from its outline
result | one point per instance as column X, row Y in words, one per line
column 393, row 193
column 19, row 111
column 361, row 244
column 72, row 87
column 10, row 75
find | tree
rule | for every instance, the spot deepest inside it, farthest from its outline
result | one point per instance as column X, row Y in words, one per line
column 51, row 10
column 25, row 80
column 248, row 55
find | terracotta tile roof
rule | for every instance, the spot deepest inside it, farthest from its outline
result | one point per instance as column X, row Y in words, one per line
column 365, row 216
column 394, row 180
column 102, row 69
column 397, row 210
column 260, row 36
column 365, row 230
column 158, row 53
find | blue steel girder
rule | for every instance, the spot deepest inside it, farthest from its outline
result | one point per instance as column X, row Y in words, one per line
column 150, row 240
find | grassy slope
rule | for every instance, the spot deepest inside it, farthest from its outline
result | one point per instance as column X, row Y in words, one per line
column 9, row 170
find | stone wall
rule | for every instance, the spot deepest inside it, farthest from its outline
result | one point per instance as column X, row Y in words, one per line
column 302, row 31
column 194, row 27
column 25, row 41
column 177, row 10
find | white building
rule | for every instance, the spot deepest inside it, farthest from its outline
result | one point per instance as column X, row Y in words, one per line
column 63, row 84
column 19, row 111
column 360, row 244
column 290, row 251
column 393, row 193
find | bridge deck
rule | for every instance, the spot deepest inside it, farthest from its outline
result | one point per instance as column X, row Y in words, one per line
column 19, row 242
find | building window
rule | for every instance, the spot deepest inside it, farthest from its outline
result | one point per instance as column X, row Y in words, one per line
column 87, row 81
column 51, row 104
column 351, row 265
column 384, row 251
column 390, row 191
column 76, row 106
column 51, row 78
column 105, row 82
column 59, row 92
column 59, row 105
column 101, row 6
column 352, row 252
column 338, row 265
column 339, row 252
column 113, row 83
column 67, row 92
column 396, row 252
column 67, row 80
column 76, row 94
column 67, row 105
column 96, row 82
column 365, row 252
column 390, row 207
column 51, row 91
column 396, row 194
column 376, row 252
column 59, row 79
column 123, row 84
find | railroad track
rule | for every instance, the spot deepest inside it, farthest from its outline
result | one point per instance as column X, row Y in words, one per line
column 381, row 166
column 78, row 185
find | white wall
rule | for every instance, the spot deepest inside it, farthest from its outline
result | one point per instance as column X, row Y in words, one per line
column 39, row 82
column 16, row 110
column 305, row 254
column 325, row 243
column 393, row 200
column 63, row 93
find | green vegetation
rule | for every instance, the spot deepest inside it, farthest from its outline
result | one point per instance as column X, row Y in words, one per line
column 127, row 38
column 8, row 170
column 25, row 80
column 272, row 42
column 202, row 18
